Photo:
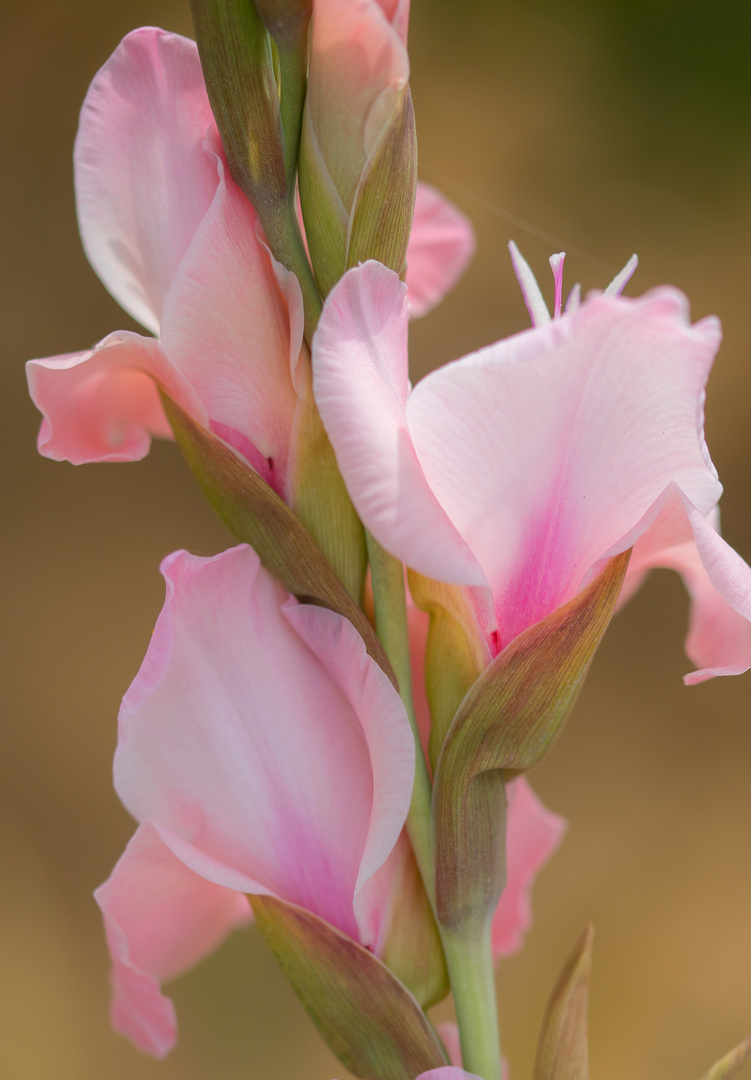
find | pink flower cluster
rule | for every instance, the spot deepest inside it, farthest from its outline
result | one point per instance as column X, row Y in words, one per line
column 261, row 749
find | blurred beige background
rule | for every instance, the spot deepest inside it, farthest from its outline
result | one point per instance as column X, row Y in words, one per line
column 615, row 127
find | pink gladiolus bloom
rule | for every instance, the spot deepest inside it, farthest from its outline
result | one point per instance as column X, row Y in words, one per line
column 262, row 752
column 180, row 248
column 518, row 470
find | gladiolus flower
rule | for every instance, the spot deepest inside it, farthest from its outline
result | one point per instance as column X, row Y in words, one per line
column 180, row 248
column 517, row 471
column 262, row 751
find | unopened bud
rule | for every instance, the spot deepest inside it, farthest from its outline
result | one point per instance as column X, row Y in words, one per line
column 358, row 154
column 381, row 218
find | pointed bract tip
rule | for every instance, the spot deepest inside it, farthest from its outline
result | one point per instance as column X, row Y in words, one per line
column 562, row 1053
column 579, row 961
column 729, row 1065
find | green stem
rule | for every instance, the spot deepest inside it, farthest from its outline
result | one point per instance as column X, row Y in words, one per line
column 470, row 967
column 470, row 963
column 391, row 626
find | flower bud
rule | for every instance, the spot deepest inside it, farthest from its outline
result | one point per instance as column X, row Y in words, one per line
column 358, row 154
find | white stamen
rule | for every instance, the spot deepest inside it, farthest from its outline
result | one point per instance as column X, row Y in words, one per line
column 574, row 299
column 533, row 298
column 556, row 265
column 620, row 281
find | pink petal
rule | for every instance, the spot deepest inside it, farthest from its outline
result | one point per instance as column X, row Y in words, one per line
column 719, row 582
column 383, row 721
column 448, row 1072
column 717, row 578
column 246, row 743
column 361, row 388
column 103, row 405
column 226, row 327
column 532, row 836
column 143, row 182
column 358, row 69
column 449, row 1034
column 160, row 919
column 231, row 347
column 397, row 13
column 441, row 244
